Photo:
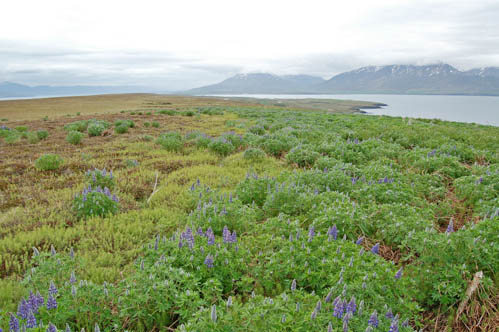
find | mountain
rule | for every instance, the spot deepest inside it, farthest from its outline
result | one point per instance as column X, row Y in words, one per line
column 12, row 90
column 261, row 83
column 392, row 79
column 411, row 79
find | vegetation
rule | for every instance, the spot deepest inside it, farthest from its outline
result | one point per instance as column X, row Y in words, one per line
column 293, row 220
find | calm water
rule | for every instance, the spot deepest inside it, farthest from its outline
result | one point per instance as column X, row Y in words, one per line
column 478, row 109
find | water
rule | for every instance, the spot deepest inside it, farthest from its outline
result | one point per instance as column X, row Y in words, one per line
column 471, row 109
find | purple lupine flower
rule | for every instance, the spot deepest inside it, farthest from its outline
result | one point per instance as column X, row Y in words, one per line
column 51, row 303
column 389, row 314
column 359, row 240
column 233, row 238
column 13, row 324
column 394, row 326
column 311, row 232
column 208, row 261
column 313, row 315
column 398, row 275
column 345, row 325
column 339, row 309
column 211, row 236
column 330, row 327
column 333, row 232
column 200, row 231
column 352, row 306
column 23, row 309
column 293, row 285
column 180, row 243
column 226, row 235
column 450, row 227
column 96, row 328
column 375, row 249
column 39, row 301
column 33, row 302
column 51, row 328
column 31, row 320
column 373, row 320
column 72, row 278
column 329, row 296
column 318, row 306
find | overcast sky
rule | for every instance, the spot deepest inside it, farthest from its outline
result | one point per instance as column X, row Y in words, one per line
column 177, row 44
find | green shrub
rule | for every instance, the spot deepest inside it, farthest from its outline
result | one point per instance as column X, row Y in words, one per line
column 302, row 156
column 33, row 138
column 128, row 123
column 171, row 141
column 257, row 130
column 95, row 202
column 42, row 134
column 189, row 113
column 74, row 137
column 12, row 137
column 49, row 162
column 168, row 112
column 147, row 138
column 254, row 154
column 121, row 129
column 21, row 129
column 155, row 124
column 4, row 120
column 147, row 124
column 221, row 146
column 95, row 129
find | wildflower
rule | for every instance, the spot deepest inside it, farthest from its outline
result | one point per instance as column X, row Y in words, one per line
column 405, row 323
column 51, row 303
column 329, row 296
column 329, row 327
column 352, row 306
column 211, row 236
column 332, row 232
column 318, row 306
column 373, row 320
column 52, row 250
column 389, row 314
column 314, row 314
column 293, row 285
column 450, row 227
column 339, row 309
column 394, row 326
column 35, row 252
column 229, row 302
column 234, row 237
column 13, row 323
column 398, row 275
column 23, row 309
column 208, row 261
column 375, row 249
column 200, row 231
column 72, row 279
column 31, row 320
column 359, row 240
column 345, row 325
column 71, row 253
column 283, row 319
column 227, row 237
column 214, row 313
column 311, row 233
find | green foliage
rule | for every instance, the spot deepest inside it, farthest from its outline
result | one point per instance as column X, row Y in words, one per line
column 94, row 203
column 33, row 138
column 254, row 154
column 125, row 123
column 302, row 156
column 21, row 129
column 155, row 124
column 121, row 129
column 170, row 141
column 221, row 146
column 49, row 162
column 95, row 129
column 100, row 178
column 42, row 134
column 74, row 137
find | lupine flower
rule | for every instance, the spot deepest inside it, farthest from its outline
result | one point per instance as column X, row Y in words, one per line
column 229, row 302
column 329, row 296
column 51, row 303
column 293, row 285
column 329, row 327
column 318, row 306
column 211, row 236
column 39, row 301
column 52, row 250
column 297, row 306
column 227, row 237
column 200, row 231
column 23, row 309
column 359, row 240
column 345, row 325
column 352, row 306
column 405, row 323
column 450, row 227
column 394, row 326
column 333, row 232
column 208, row 261
column 313, row 315
column 398, row 275
column 311, row 232
column 234, row 237
column 31, row 320
column 96, row 328
column 214, row 313
column 283, row 319
column 72, row 279
column 35, row 252
column 373, row 320
column 71, row 253
column 375, row 249
column 13, row 324
column 339, row 309
column 389, row 314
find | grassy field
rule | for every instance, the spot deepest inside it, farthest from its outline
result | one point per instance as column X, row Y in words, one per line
column 234, row 216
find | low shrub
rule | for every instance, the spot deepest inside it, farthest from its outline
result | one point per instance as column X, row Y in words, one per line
column 302, row 156
column 171, row 141
column 95, row 129
column 42, row 134
column 122, row 129
column 100, row 178
column 221, row 146
column 74, row 137
column 95, row 202
column 33, row 138
column 49, row 162
column 254, row 154
column 155, row 124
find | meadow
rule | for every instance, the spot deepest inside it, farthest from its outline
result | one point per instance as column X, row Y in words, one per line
column 195, row 214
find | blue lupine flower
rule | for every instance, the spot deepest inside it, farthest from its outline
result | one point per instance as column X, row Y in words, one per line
column 72, row 278
column 313, row 315
column 51, row 303
column 398, row 275
column 39, row 301
column 339, row 309
column 329, row 296
column 208, row 261
column 375, row 249
column 227, row 237
column 359, row 240
column 405, row 323
column 450, row 227
column 33, row 302
column 96, row 328
column 200, row 231
column 13, row 323
column 31, row 320
column 214, row 313
column 51, row 328
column 293, row 285
column 23, row 309
column 211, row 236
column 394, row 326
column 389, row 314
column 180, row 243
column 333, row 232
column 233, row 238
column 329, row 327
column 352, row 306
column 373, row 320
column 311, row 232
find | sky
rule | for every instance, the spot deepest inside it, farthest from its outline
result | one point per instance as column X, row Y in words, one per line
column 180, row 44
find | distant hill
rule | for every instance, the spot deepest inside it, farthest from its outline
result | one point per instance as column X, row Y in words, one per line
column 262, row 83
column 11, row 90
column 392, row 79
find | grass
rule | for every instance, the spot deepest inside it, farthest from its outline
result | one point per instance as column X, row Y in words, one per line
column 286, row 179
